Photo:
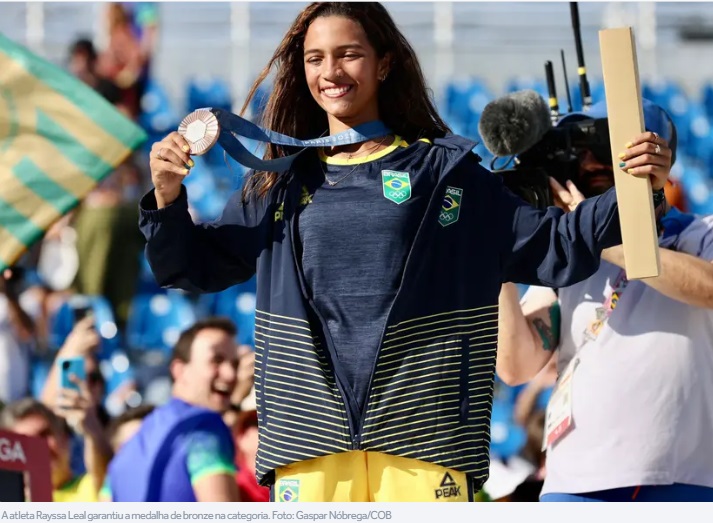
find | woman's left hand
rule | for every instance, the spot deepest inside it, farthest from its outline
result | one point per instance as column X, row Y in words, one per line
column 647, row 155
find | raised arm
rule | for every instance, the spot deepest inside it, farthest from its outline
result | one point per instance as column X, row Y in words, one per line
column 206, row 257
column 197, row 257
column 555, row 249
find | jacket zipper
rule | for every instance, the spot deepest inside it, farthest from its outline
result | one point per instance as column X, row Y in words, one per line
column 338, row 374
column 426, row 216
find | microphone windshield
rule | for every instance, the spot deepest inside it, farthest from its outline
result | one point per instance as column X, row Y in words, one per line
column 512, row 124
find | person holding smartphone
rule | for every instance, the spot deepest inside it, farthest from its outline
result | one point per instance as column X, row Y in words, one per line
column 73, row 390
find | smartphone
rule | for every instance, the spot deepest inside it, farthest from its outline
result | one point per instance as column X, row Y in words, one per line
column 68, row 367
column 81, row 312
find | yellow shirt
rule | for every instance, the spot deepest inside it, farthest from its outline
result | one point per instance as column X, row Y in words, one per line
column 80, row 489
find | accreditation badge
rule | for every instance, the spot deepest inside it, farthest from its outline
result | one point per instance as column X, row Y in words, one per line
column 558, row 417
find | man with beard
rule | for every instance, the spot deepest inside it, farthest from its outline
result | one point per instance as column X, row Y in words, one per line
column 183, row 450
column 631, row 415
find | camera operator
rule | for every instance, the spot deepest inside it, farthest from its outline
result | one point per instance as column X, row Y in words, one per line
column 631, row 416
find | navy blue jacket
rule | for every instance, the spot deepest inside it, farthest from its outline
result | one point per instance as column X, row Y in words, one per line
column 430, row 394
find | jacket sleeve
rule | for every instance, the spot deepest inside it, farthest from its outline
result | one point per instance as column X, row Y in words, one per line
column 206, row 257
column 553, row 248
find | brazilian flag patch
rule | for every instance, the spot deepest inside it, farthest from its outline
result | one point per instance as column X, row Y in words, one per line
column 288, row 490
column 397, row 186
column 450, row 209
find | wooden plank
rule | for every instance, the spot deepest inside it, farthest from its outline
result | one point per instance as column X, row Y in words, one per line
column 626, row 120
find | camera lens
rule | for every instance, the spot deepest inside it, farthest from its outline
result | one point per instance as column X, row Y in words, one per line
column 65, row 365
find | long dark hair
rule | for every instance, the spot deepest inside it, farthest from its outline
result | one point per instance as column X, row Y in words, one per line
column 405, row 104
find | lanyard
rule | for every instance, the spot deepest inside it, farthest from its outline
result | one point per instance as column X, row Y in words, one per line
column 231, row 126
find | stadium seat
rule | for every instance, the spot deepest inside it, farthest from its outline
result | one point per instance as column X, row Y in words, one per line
column 156, row 321
column 205, row 198
column 208, row 91
column 158, row 116
column 696, row 184
column 238, row 304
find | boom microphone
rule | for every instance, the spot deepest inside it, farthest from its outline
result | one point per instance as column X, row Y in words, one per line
column 512, row 124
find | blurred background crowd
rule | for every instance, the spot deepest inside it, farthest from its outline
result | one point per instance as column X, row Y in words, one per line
column 158, row 61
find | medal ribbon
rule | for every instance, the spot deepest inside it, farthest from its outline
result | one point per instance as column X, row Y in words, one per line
column 232, row 126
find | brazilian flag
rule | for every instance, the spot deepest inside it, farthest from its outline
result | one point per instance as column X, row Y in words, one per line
column 58, row 140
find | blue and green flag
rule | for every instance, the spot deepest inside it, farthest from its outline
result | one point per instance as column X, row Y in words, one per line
column 58, row 140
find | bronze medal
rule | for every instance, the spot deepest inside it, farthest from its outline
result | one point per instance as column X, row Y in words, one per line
column 201, row 130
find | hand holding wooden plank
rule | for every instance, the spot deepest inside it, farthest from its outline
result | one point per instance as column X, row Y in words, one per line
column 626, row 119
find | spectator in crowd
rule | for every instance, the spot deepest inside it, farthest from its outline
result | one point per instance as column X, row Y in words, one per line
column 83, row 341
column 124, row 59
column 29, row 417
column 631, row 417
column 379, row 266
column 17, row 336
column 83, row 65
column 183, row 450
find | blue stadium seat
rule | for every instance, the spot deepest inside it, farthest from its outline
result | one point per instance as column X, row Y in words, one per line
column 158, row 116
column 205, row 198
column 208, row 91
column 696, row 184
column 707, row 98
column 236, row 303
column 62, row 323
column 259, row 101
column 661, row 91
column 521, row 83
column 464, row 99
column 156, row 321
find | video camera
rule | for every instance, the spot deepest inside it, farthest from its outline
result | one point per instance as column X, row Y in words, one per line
column 523, row 128
column 557, row 154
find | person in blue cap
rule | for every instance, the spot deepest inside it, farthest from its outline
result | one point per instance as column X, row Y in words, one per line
column 631, row 415
column 378, row 265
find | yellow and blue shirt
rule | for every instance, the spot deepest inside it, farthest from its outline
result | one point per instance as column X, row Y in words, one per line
column 80, row 490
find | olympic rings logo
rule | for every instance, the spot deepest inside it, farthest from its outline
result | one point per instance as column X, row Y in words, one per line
column 398, row 194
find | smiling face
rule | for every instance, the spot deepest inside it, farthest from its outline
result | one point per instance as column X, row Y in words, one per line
column 209, row 377
column 343, row 71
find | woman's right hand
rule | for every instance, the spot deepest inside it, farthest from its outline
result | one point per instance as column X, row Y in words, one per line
column 170, row 162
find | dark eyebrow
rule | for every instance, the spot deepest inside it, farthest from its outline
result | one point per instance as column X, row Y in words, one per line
column 340, row 48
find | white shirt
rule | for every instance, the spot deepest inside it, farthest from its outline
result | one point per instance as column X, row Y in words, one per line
column 642, row 394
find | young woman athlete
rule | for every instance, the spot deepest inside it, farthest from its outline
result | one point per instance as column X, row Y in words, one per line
column 378, row 269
